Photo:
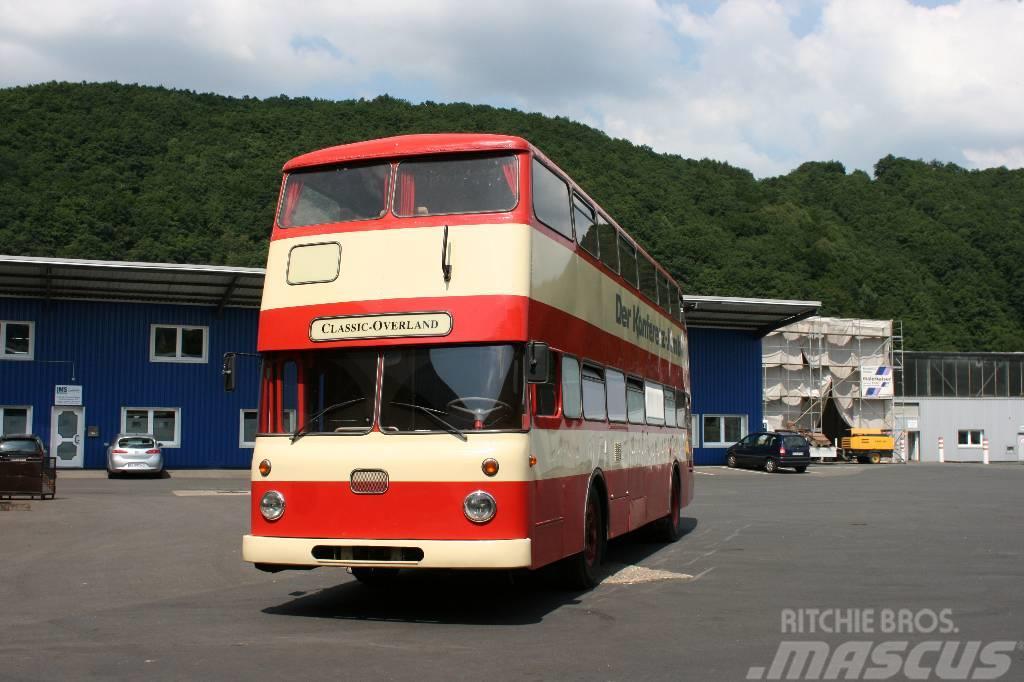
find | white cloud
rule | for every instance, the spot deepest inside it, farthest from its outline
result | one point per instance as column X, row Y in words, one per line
column 763, row 84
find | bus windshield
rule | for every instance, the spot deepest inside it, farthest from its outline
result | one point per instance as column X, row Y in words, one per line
column 334, row 195
column 461, row 387
column 447, row 185
column 448, row 388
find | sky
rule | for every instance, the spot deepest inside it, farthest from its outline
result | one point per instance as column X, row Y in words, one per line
column 761, row 84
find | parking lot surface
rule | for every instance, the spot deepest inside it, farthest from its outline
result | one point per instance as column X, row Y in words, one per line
column 132, row 579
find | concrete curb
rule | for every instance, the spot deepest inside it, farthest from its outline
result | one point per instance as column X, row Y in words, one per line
column 240, row 474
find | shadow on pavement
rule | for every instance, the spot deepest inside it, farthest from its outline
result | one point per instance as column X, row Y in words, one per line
column 465, row 597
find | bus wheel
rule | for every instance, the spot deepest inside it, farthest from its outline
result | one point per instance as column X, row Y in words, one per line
column 668, row 527
column 581, row 570
column 770, row 465
column 374, row 576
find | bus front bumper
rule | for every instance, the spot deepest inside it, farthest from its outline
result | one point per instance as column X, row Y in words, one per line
column 312, row 552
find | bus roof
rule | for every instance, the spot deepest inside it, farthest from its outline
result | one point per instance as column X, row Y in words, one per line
column 409, row 145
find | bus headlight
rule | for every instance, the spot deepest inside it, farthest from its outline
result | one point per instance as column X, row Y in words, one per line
column 272, row 505
column 479, row 507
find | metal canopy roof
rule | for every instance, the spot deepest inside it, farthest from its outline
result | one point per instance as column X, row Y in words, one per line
column 758, row 315
column 72, row 278
column 224, row 286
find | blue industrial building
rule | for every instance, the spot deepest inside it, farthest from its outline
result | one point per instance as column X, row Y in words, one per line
column 90, row 349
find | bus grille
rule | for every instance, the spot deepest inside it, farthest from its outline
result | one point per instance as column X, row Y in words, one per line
column 368, row 481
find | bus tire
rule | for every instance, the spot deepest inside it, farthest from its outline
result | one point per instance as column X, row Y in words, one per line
column 372, row 576
column 581, row 569
column 668, row 526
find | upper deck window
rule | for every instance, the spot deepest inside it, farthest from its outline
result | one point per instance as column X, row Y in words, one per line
column 460, row 184
column 551, row 200
column 334, row 195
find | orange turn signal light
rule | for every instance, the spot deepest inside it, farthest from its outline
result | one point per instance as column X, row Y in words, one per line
column 265, row 468
column 490, row 467
column 533, row 460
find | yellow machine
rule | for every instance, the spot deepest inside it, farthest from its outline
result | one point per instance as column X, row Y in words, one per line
column 867, row 445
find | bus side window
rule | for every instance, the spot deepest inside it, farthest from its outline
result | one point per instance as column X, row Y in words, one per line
column 648, row 286
column 663, row 294
column 635, row 400
column 606, row 242
column 654, row 399
column 670, row 407
column 615, row 383
column 627, row 260
column 583, row 220
column 551, row 200
column 571, row 389
column 546, row 396
column 593, row 393
column 673, row 301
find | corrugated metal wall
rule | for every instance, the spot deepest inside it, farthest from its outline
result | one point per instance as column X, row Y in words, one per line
column 726, row 373
column 109, row 345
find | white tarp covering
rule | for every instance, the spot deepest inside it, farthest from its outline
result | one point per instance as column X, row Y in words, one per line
column 822, row 358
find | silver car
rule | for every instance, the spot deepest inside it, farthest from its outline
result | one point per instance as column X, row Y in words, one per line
column 135, row 453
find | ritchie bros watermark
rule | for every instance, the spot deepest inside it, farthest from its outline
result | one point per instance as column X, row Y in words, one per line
column 882, row 644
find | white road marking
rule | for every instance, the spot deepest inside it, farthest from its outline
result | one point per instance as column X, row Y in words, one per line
column 207, row 493
column 634, row 575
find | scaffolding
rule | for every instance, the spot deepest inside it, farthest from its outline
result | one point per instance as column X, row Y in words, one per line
column 827, row 375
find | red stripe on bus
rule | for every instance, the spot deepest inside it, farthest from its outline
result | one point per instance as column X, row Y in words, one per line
column 408, row 510
column 475, row 319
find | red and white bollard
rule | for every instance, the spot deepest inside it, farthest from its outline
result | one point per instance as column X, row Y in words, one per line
column 984, row 450
column 942, row 450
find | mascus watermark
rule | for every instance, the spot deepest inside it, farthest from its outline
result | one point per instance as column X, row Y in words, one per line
column 904, row 643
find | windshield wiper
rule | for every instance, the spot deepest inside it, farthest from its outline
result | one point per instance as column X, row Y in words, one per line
column 435, row 415
column 300, row 432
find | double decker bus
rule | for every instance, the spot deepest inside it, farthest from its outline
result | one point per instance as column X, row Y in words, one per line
column 465, row 364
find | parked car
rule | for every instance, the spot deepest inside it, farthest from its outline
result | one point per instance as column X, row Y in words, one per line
column 771, row 450
column 21, row 446
column 25, row 467
column 135, row 453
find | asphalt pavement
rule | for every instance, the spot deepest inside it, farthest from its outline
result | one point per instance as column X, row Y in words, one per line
column 131, row 579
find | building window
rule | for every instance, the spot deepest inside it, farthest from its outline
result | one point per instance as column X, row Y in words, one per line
column 722, row 430
column 17, row 340
column 969, row 438
column 164, row 423
column 248, row 426
column 16, row 419
column 176, row 343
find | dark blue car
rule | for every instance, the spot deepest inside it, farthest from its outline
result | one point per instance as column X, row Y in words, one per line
column 771, row 450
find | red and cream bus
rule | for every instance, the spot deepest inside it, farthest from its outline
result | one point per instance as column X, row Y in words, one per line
column 466, row 364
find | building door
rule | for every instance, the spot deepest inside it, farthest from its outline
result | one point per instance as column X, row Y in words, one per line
column 66, row 434
column 913, row 446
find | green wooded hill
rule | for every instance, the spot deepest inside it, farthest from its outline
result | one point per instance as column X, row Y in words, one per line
column 124, row 172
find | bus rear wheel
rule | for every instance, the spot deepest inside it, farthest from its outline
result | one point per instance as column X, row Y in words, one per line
column 581, row 570
column 668, row 527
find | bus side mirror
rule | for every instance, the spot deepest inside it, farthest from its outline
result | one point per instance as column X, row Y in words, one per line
column 228, row 371
column 538, row 359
